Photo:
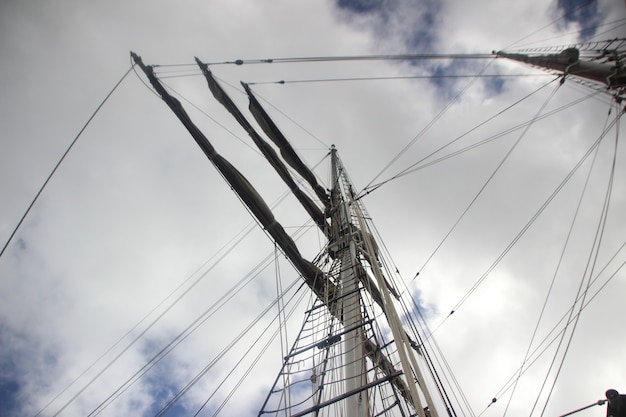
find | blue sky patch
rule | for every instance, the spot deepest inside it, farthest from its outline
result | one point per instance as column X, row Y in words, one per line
column 583, row 12
column 361, row 6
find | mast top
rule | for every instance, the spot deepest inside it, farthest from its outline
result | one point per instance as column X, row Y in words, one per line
column 606, row 65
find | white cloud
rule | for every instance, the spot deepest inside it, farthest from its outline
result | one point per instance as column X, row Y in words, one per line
column 136, row 207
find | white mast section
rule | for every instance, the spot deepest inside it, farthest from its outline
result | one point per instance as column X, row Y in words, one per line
column 407, row 358
column 606, row 67
column 344, row 242
column 354, row 358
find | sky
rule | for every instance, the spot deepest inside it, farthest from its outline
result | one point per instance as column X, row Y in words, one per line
column 135, row 213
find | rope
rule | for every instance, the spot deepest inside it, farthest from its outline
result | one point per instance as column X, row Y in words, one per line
column 599, row 402
column 400, row 77
column 214, row 308
column 618, row 22
column 67, row 151
column 527, row 226
column 416, row 167
column 223, row 352
column 507, row 386
column 256, row 360
column 583, row 5
column 430, row 124
column 235, row 241
column 591, row 264
column 344, row 58
column 556, row 271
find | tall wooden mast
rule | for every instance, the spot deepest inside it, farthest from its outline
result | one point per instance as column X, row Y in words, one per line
column 352, row 351
column 601, row 62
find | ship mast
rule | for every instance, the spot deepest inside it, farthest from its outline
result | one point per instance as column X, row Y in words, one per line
column 601, row 62
column 346, row 237
column 353, row 350
column 344, row 247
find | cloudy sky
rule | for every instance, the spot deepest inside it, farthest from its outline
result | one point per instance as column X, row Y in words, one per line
column 136, row 217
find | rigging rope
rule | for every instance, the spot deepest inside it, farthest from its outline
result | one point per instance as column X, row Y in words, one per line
column 175, row 342
column 223, row 352
column 534, row 217
column 281, row 324
column 536, row 353
column 618, row 22
column 344, row 58
column 525, row 228
column 591, row 264
column 557, row 269
column 416, row 167
column 58, row 164
column 235, row 241
column 214, row 308
column 575, row 10
column 430, row 124
column 399, row 77
column 479, row 193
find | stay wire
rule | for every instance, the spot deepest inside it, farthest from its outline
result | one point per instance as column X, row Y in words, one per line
column 531, row 221
column 259, row 356
column 208, row 313
column 421, row 133
column 591, row 263
column 618, row 23
column 414, row 322
column 103, row 404
column 344, row 58
column 565, row 15
column 58, row 164
column 416, row 167
column 236, row 239
column 325, row 145
column 528, row 224
column 231, row 293
column 556, row 271
column 536, row 353
column 410, row 169
column 391, row 78
column 499, row 135
column 221, row 354
column 439, row 357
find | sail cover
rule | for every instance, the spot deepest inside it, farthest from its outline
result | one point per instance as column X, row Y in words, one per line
column 220, row 95
column 313, row 276
column 286, row 150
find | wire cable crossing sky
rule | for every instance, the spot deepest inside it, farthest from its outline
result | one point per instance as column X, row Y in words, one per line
column 133, row 281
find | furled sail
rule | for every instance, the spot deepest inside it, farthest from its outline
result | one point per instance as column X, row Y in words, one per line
column 568, row 61
column 286, row 150
column 313, row 276
column 321, row 284
column 220, row 95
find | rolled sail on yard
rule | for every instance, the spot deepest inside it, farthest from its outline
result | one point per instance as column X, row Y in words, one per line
column 568, row 62
column 220, row 95
column 286, row 150
column 313, row 276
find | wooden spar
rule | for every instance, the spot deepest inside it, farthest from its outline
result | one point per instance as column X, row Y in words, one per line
column 568, row 61
column 323, row 288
